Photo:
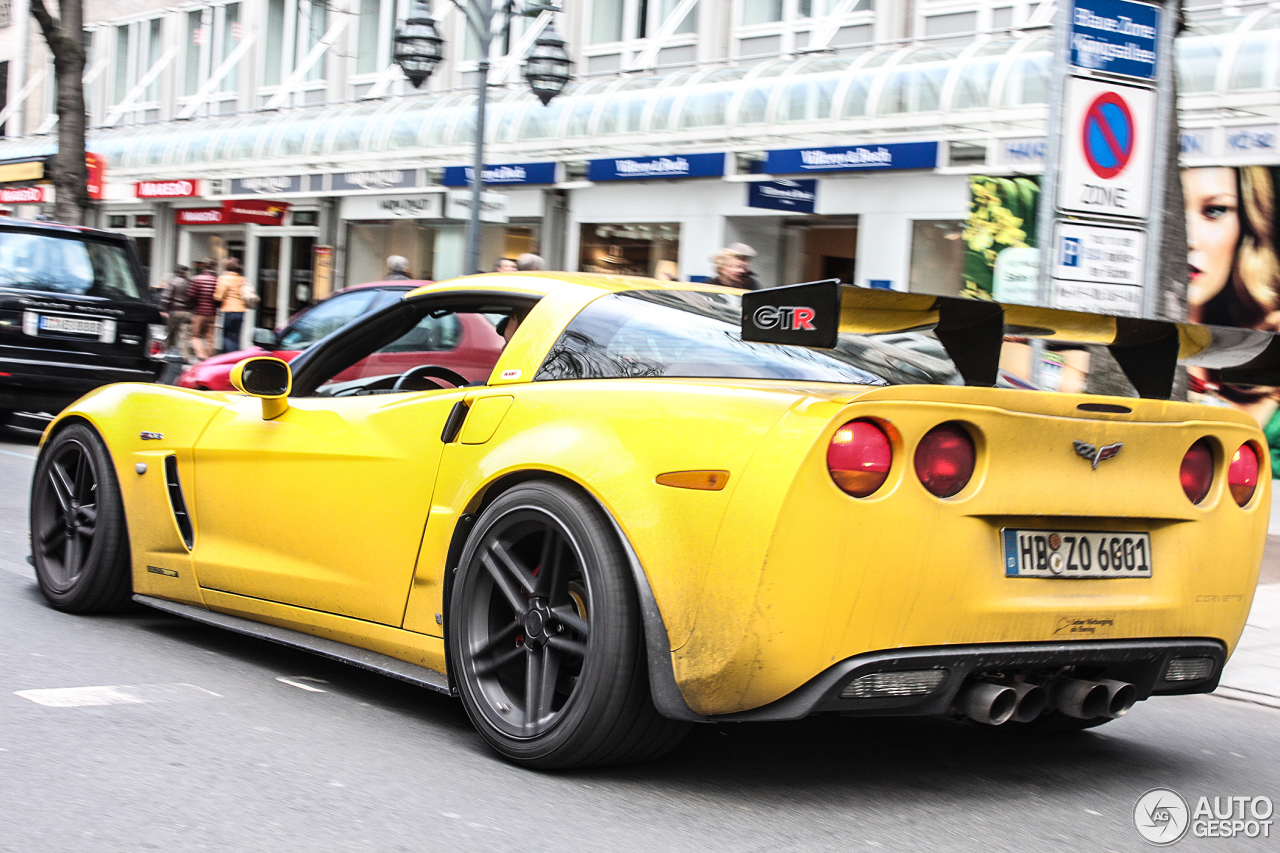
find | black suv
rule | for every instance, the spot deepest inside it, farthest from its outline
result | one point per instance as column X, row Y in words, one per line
column 73, row 316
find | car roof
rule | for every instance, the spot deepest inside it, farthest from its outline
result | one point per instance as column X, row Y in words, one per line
column 541, row 283
column 31, row 226
column 385, row 285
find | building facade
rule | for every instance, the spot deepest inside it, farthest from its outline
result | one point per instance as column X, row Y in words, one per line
column 837, row 137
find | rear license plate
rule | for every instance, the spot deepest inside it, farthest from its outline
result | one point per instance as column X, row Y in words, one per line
column 1075, row 554
column 70, row 325
column 39, row 324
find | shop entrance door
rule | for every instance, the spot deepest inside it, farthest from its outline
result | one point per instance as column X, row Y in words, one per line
column 283, row 276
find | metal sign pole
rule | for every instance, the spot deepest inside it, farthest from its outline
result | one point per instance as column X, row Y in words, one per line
column 1153, row 284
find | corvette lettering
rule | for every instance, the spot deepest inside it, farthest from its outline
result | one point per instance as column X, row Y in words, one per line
column 795, row 318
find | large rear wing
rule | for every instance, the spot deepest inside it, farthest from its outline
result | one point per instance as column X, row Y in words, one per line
column 973, row 331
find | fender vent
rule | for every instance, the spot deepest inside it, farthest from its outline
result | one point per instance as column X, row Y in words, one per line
column 177, row 502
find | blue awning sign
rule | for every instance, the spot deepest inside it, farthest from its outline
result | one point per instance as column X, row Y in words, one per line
column 853, row 158
column 798, row 196
column 652, row 168
column 502, row 175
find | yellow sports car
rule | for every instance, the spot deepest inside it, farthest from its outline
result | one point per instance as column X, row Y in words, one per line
column 674, row 503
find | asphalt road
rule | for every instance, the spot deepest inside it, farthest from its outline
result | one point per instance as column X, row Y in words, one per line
column 241, row 745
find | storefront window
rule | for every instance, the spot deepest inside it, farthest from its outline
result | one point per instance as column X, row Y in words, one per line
column 937, row 256
column 629, row 249
column 369, row 244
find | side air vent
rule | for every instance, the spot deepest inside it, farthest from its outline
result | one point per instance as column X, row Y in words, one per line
column 177, row 502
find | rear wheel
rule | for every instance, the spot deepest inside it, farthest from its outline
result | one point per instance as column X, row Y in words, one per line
column 79, row 545
column 545, row 638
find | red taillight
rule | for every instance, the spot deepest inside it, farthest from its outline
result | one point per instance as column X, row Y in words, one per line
column 1242, row 473
column 859, row 457
column 155, row 349
column 945, row 458
column 1196, row 473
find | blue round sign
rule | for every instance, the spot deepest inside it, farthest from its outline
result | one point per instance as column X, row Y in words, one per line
column 1108, row 135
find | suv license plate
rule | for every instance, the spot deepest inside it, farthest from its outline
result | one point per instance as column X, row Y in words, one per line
column 71, row 325
column 1075, row 554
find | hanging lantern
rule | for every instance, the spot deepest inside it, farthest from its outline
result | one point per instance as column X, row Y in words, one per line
column 417, row 45
column 548, row 66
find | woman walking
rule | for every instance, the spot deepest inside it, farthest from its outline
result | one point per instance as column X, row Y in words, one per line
column 232, row 299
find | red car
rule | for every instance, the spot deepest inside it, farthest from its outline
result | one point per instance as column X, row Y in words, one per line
column 466, row 343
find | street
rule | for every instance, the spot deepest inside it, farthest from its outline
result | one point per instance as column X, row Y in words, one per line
column 223, row 742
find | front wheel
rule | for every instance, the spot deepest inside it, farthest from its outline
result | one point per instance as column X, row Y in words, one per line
column 545, row 638
column 79, row 545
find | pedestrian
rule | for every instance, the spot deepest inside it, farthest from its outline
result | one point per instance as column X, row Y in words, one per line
column 732, row 270
column 203, row 308
column 505, row 265
column 397, row 268
column 531, row 262
column 748, row 255
column 175, row 306
column 232, row 298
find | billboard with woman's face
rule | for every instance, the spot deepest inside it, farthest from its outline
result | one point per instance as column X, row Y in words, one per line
column 1233, row 268
column 1233, row 274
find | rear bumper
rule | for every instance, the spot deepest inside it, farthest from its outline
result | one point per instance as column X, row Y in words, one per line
column 1141, row 663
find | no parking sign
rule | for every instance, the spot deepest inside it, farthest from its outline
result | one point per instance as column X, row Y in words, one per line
column 1107, row 142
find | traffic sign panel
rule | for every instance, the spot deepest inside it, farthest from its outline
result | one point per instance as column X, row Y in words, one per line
column 1107, row 148
column 1098, row 268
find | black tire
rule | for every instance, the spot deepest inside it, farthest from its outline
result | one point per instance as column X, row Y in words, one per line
column 545, row 638
column 79, row 544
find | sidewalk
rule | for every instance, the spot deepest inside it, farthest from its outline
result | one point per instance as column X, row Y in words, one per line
column 1253, row 673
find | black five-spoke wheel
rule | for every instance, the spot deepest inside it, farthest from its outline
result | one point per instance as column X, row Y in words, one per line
column 545, row 636
column 78, row 543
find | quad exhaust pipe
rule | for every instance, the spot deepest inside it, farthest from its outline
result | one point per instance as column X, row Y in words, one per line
column 1086, row 700
column 995, row 703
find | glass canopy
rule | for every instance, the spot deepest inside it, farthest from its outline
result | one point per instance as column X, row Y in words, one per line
column 995, row 78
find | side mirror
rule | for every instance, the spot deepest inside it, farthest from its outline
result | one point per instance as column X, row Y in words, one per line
column 268, row 379
column 266, row 338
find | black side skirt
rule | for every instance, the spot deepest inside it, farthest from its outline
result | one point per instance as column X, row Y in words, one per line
column 372, row 661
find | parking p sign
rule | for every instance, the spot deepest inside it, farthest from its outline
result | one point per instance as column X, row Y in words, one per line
column 1107, row 146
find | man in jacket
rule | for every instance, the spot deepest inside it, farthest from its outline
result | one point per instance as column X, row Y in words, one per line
column 203, row 308
column 176, row 308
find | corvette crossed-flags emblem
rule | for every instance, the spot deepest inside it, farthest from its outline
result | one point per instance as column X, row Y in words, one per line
column 1096, row 454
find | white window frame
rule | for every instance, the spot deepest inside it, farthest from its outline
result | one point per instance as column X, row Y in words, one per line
column 294, row 46
column 632, row 43
column 795, row 27
column 985, row 9
column 215, row 47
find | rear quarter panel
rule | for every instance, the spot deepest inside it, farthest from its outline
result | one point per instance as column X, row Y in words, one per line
column 611, row 437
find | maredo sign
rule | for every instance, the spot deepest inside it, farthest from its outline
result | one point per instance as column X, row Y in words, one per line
column 235, row 213
column 22, row 195
column 166, row 189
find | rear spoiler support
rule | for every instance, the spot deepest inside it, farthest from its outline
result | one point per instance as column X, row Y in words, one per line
column 973, row 332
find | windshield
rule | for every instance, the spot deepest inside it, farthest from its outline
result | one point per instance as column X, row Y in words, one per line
column 329, row 316
column 694, row 334
column 65, row 265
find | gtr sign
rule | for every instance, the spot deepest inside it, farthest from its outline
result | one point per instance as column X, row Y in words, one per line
column 1107, row 146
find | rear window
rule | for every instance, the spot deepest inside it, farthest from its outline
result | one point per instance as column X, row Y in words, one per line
column 651, row 333
column 65, row 265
